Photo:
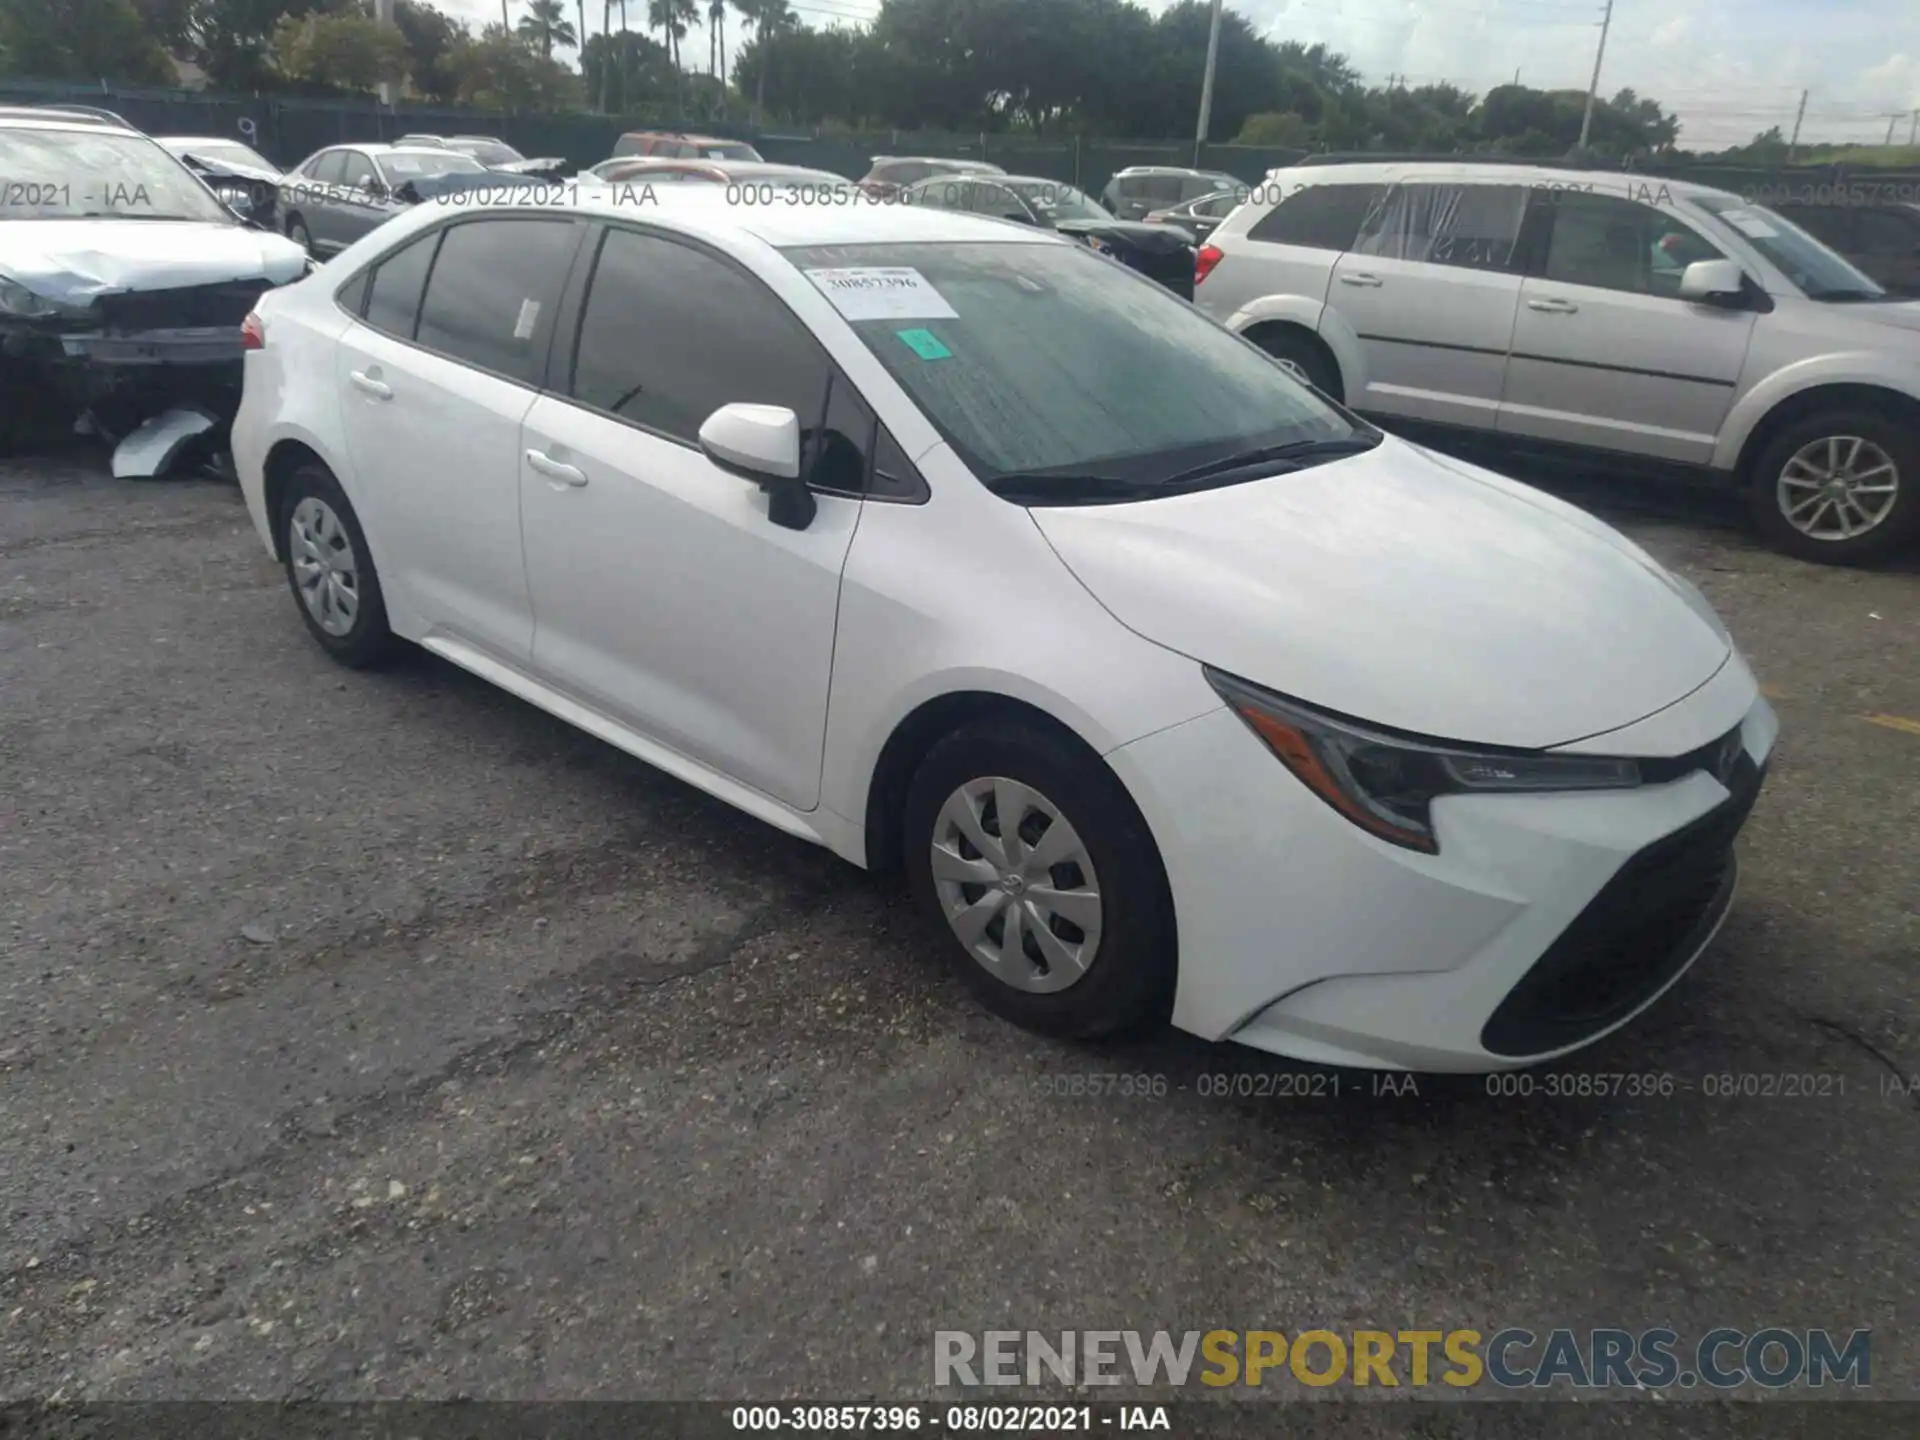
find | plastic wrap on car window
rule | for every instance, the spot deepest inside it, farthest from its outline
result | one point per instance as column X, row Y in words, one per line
column 1475, row 227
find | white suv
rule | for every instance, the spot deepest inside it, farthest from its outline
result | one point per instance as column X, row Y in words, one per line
column 1617, row 315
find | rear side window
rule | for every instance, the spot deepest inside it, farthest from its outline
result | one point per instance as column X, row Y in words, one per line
column 1320, row 217
column 904, row 172
column 1473, row 227
column 670, row 334
column 491, row 296
column 393, row 300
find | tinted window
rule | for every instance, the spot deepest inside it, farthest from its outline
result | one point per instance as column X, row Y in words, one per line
column 356, row 169
column 1620, row 245
column 845, row 447
column 393, row 302
column 1322, row 217
column 905, row 172
column 629, row 145
column 671, row 334
column 490, row 298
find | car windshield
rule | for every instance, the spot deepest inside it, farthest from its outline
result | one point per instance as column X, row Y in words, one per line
column 488, row 152
column 727, row 150
column 1055, row 201
column 1042, row 357
column 231, row 151
column 405, row 165
column 76, row 174
column 1819, row 273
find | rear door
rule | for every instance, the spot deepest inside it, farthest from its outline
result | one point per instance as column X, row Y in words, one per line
column 1291, row 250
column 1430, row 287
column 435, row 380
column 1605, row 352
column 313, row 200
column 360, row 199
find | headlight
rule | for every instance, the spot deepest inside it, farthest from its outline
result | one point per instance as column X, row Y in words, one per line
column 1386, row 784
column 17, row 300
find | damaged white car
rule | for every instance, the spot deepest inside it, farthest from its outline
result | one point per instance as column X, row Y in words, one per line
column 123, row 284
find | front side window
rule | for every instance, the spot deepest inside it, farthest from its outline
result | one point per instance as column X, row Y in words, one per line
column 491, row 295
column 81, row 174
column 1050, row 361
column 1319, row 217
column 1616, row 244
column 1216, row 207
column 325, row 168
column 393, row 297
column 671, row 333
column 357, row 171
column 1472, row 227
column 995, row 200
column 1816, row 271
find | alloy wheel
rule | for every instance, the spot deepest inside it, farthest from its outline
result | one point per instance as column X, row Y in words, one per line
column 325, row 569
column 1838, row 488
column 1016, row 884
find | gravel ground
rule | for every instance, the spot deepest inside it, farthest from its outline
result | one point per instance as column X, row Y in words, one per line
column 378, row 1035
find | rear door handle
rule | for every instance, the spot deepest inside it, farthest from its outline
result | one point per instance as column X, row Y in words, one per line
column 1554, row 307
column 562, row 476
column 1372, row 281
column 378, row 389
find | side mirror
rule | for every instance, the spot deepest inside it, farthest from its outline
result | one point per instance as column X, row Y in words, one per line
column 1713, row 282
column 761, row 443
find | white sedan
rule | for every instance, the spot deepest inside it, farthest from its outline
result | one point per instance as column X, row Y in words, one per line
column 1177, row 691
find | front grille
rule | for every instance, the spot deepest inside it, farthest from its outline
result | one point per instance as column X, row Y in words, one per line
column 1634, row 936
column 183, row 308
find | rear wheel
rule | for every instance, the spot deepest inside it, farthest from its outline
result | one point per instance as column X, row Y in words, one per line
column 330, row 570
column 1032, row 863
column 1302, row 356
column 1841, row 487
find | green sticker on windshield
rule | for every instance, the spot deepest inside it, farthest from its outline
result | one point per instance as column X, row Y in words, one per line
column 925, row 344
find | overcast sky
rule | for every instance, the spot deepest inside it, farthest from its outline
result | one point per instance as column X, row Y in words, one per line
column 1730, row 68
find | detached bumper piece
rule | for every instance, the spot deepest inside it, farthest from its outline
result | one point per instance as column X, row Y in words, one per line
column 1640, row 931
column 163, row 441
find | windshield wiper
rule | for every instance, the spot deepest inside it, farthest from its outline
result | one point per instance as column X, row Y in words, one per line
column 1290, row 456
column 1056, row 488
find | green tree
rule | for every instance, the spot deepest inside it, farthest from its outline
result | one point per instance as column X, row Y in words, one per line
column 81, row 40
column 430, row 37
column 546, row 25
column 345, row 50
column 497, row 70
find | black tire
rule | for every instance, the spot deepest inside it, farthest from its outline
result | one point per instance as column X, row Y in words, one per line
column 1900, row 442
column 1128, row 986
column 1305, row 354
column 298, row 233
column 367, row 641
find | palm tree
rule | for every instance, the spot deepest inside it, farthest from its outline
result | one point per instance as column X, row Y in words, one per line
column 606, row 52
column 580, row 10
column 717, row 43
column 771, row 18
column 546, row 25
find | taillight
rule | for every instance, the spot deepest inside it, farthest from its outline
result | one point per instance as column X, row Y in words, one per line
column 253, row 334
column 1204, row 259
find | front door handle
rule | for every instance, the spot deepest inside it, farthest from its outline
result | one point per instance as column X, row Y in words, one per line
column 563, row 476
column 1372, row 281
column 378, row 389
column 1554, row 306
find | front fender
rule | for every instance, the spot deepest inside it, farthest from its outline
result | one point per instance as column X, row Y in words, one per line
column 1855, row 367
column 1316, row 317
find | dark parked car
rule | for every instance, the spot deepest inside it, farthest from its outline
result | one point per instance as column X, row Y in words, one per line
column 1139, row 189
column 1159, row 252
column 1883, row 240
column 340, row 193
column 1199, row 217
column 893, row 173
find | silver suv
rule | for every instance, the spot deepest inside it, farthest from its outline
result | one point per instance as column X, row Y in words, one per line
column 1614, row 315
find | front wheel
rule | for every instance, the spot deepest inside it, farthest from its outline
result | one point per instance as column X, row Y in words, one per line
column 298, row 233
column 1839, row 487
column 1034, row 866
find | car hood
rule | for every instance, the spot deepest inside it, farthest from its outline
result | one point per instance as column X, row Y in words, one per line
column 75, row 261
column 1151, row 239
column 232, row 169
column 529, row 167
column 1903, row 315
column 1404, row 589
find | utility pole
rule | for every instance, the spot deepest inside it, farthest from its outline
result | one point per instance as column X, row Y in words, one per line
column 1892, row 120
column 1798, row 119
column 383, row 13
column 1206, row 82
column 1913, row 130
column 1593, row 89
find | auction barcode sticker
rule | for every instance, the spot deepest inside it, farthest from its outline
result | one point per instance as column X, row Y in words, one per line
column 882, row 292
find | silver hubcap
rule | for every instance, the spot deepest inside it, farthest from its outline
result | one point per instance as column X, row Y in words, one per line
column 324, row 568
column 1838, row 488
column 1016, row 884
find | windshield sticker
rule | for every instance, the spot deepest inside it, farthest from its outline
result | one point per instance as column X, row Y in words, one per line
column 882, row 292
column 925, row 344
column 1749, row 224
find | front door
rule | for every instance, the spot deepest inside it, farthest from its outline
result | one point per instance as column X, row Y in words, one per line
column 664, row 594
column 1605, row 352
column 1430, row 287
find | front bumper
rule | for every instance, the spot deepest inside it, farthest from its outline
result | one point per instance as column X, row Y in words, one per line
column 1545, row 921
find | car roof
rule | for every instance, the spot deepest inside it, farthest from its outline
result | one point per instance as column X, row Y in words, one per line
column 1498, row 172
column 199, row 140
column 936, row 160
column 34, row 117
column 1166, row 170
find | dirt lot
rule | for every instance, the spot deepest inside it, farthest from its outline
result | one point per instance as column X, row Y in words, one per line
column 378, row 1035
